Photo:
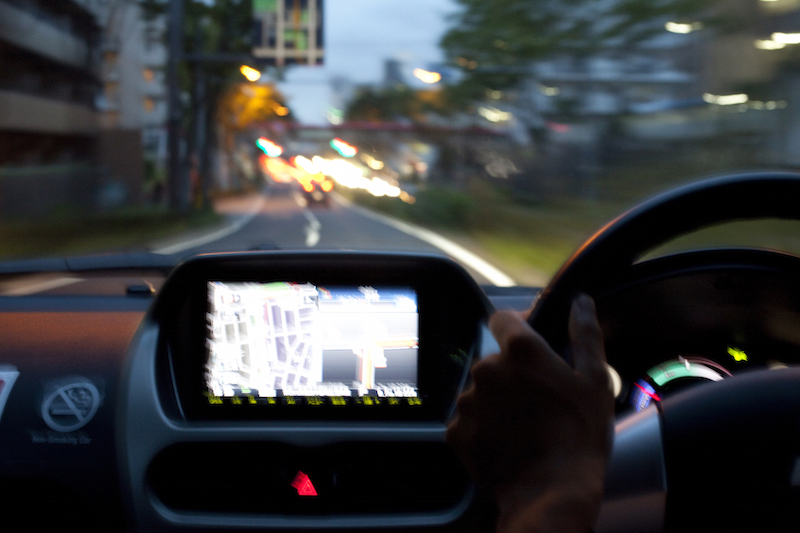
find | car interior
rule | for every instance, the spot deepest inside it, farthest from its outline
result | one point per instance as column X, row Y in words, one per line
column 122, row 408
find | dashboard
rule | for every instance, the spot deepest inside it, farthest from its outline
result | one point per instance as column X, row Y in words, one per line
column 287, row 391
column 699, row 318
column 291, row 390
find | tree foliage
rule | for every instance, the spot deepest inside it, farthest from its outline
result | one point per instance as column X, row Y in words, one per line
column 246, row 104
column 210, row 27
column 494, row 41
column 391, row 104
column 212, row 87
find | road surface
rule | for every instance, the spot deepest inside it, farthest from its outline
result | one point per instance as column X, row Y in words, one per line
column 280, row 219
column 277, row 219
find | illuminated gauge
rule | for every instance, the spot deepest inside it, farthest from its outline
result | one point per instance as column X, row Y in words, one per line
column 674, row 374
column 614, row 381
column 642, row 394
column 776, row 365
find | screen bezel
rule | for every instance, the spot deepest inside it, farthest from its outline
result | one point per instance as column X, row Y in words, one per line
column 451, row 309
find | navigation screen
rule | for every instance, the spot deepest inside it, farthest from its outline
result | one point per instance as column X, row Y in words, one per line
column 267, row 340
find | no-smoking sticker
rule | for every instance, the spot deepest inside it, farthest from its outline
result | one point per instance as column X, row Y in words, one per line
column 71, row 405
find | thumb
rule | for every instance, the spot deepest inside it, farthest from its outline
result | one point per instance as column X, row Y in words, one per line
column 586, row 340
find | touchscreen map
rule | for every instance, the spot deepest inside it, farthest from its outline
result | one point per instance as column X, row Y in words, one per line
column 296, row 339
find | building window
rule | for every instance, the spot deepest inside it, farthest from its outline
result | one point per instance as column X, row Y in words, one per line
column 112, row 119
column 148, row 75
column 112, row 91
column 149, row 105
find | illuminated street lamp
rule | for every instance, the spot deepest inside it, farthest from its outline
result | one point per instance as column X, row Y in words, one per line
column 427, row 76
column 250, row 73
column 675, row 27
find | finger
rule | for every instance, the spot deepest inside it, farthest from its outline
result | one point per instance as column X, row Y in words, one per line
column 516, row 338
column 586, row 340
column 466, row 404
column 487, row 373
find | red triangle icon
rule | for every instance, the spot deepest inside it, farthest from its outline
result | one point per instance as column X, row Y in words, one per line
column 303, row 485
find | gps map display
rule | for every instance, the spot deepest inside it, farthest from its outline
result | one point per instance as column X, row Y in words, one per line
column 267, row 340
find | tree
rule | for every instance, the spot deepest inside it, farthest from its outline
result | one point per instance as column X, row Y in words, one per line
column 213, row 30
column 495, row 41
column 393, row 104
column 245, row 104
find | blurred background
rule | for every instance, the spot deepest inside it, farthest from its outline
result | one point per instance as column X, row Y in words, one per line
column 514, row 127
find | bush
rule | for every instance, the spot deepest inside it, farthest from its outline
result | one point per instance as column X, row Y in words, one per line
column 445, row 207
column 439, row 206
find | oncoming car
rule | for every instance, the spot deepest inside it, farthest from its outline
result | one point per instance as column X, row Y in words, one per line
column 287, row 368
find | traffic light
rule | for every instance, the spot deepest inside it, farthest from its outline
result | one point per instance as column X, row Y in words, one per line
column 269, row 147
column 344, row 149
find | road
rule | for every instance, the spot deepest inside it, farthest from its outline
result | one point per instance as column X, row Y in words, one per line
column 280, row 219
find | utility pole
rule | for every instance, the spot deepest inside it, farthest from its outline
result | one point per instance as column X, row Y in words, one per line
column 176, row 171
column 200, row 122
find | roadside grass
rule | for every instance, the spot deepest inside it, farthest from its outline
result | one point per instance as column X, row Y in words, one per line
column 127, row 229
column 530, row 240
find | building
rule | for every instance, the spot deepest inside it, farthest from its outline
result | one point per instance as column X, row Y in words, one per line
column 133, row 99
column 49, row 56
column 82, row 103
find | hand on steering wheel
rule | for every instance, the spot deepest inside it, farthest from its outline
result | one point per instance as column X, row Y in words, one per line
column 535, row 431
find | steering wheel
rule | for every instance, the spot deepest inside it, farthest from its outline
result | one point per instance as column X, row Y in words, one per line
column 721, row 458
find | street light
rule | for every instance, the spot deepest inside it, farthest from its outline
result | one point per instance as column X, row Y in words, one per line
column 250, row 73
column 676, row 27
column 427, row 76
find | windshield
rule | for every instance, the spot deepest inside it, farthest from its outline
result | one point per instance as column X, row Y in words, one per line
column 498, row 132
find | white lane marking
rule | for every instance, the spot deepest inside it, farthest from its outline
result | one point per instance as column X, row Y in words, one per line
column 41, row 286
column 312, row 230
column 456, row 251
column 233, row 227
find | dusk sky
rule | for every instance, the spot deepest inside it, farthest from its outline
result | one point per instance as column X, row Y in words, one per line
column 359, row 36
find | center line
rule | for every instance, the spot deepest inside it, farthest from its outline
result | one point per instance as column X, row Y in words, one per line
column 312, row 229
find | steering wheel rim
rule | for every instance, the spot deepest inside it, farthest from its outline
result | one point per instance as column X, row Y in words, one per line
column 662, row 442
column 605, row 257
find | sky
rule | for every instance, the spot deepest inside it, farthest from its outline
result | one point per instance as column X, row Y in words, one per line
column 359, row 36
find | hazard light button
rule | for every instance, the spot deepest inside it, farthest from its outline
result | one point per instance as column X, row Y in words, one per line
column 302, row 483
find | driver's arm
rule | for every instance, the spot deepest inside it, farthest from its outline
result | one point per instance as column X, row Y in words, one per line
column 535, row 431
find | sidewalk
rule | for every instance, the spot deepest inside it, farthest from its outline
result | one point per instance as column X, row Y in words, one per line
column 237, row 211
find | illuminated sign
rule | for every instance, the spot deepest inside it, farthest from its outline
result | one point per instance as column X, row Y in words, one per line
column 287, row 32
